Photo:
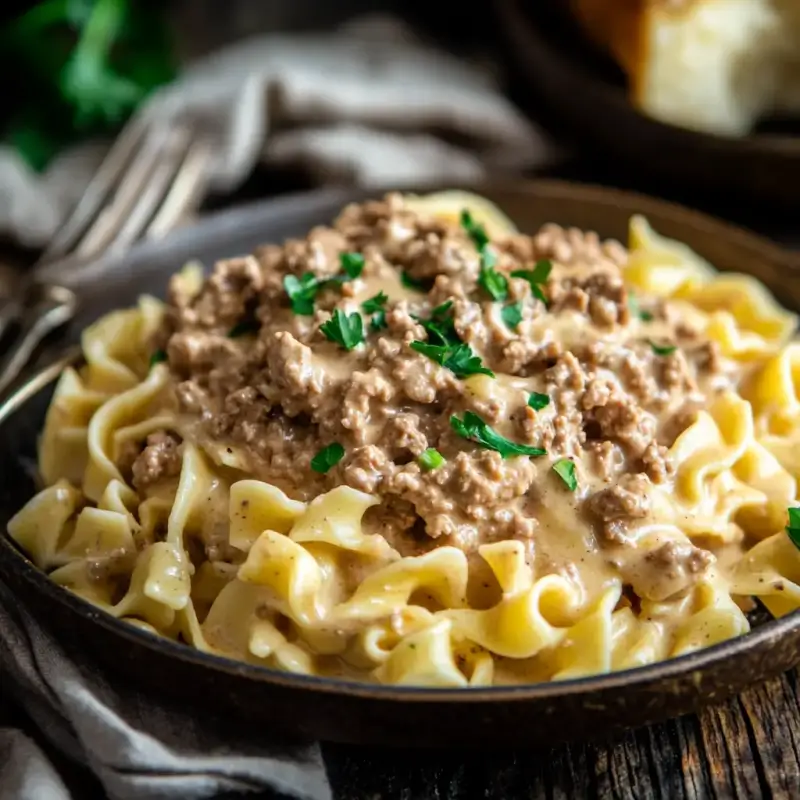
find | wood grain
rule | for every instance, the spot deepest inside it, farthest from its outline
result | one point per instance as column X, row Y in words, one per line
column 746, row 748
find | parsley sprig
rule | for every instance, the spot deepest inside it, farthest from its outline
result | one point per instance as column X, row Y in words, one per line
column 459, row 359
column 431, row 459
column 536, row 277
column 512, row 315
column 537, row 401
column 662, row 350
column 565, row 469
column 303, row 291
column 493, row 282
column 793, row 528
column 473, row 428
column 375, row 306
column 328, row 457
column 347, row 330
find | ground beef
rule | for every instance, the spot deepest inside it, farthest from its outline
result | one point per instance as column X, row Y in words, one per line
column 160, row 460
column 258, row 369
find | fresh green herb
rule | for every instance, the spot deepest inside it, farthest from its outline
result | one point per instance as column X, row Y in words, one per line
column 378, row 321
column 472, row 427
column 793, row 528
column 440, row 327
column 431, row 459
column 459, row 359
column 512, row 315
column 536, row 277
column 475, row 230
column 442, row 312
column 352, row 264
column 635, row 308
column 157, row 357
column 347, row 330
column 495, row 284
column 414, row 283
column 328, row 457
column 87, row 64
column 538, row 401
column 565, row 469
column 302, row 292
column 244, row 327
column 375, row 303
column 662, row 350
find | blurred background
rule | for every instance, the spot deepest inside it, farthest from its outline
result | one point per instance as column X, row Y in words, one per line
column 708, row 121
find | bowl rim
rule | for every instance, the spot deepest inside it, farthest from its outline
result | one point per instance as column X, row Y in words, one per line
column 683, row 667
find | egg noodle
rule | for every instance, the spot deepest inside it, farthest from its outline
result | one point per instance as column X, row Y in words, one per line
column 418, row 620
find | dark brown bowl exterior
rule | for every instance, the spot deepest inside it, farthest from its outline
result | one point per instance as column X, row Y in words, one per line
column 308, row 707
column 587, row 100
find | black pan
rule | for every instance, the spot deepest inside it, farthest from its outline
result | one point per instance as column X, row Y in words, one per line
column 330, row 710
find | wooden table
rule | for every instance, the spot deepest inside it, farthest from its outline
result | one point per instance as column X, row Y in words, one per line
column 747, row 748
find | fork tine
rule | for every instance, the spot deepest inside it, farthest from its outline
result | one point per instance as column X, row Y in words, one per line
column 130, row 188
column 167, row 170
column 96, row 192
column 186, row 190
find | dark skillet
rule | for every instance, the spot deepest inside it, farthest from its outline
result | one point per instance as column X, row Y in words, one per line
column 360, row 713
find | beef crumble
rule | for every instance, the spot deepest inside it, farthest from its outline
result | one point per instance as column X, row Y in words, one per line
column 254, row 369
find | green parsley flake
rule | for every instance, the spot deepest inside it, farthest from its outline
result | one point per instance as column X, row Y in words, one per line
column 157, row 357
column 302, row 292
column 431, row 459
column 459, row 359
column 243, row 328
column 440, row 327
column 662, row 350
column 375, row 303
column 352, row 264
column 473, row 428
column 565, row 469
column 475, row 230
column 536, row 277
column 347, row 330
column 378, row 321
column 512, row 315
column 328, row 457
column 538, row 401
column 495, row 284
column 414, row 283
column 793, row 528
column 635, row 309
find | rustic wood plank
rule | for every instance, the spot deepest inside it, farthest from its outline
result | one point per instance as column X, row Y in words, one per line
column 748, row 747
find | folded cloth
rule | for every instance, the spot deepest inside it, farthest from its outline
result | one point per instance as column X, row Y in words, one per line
column 137, row 749
column 367, row 104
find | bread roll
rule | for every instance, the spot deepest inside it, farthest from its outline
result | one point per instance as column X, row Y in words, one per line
column 716, row 66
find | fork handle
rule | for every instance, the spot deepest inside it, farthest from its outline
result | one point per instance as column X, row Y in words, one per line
column 52, row 307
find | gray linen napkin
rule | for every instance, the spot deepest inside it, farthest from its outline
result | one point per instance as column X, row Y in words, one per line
column 367, row 104
column 137, row 749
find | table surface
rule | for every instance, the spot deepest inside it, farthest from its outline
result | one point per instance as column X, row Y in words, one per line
column 748, row 747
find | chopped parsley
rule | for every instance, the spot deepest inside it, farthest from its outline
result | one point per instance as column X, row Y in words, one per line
column 244, row 327
column 635, row 309
column 793, row 528
column 440, row 327
column 538, row 401
column 662, row 350
column 328, row 457
column 347, row 330
column 431, row 459
column 565, row 469
column 473, row 428
column 536, row 277
column 378, row 321
column 415, row 283
column 512, row 315
column 157, row 357
column 493, row 282
column 302, row 292
column 459, row 359
column 375, row 303
column 352, row 264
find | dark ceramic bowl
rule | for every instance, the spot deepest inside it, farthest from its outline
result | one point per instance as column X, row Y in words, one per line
column 360, row 713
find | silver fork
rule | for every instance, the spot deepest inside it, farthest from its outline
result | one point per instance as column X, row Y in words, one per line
column 153, row 175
